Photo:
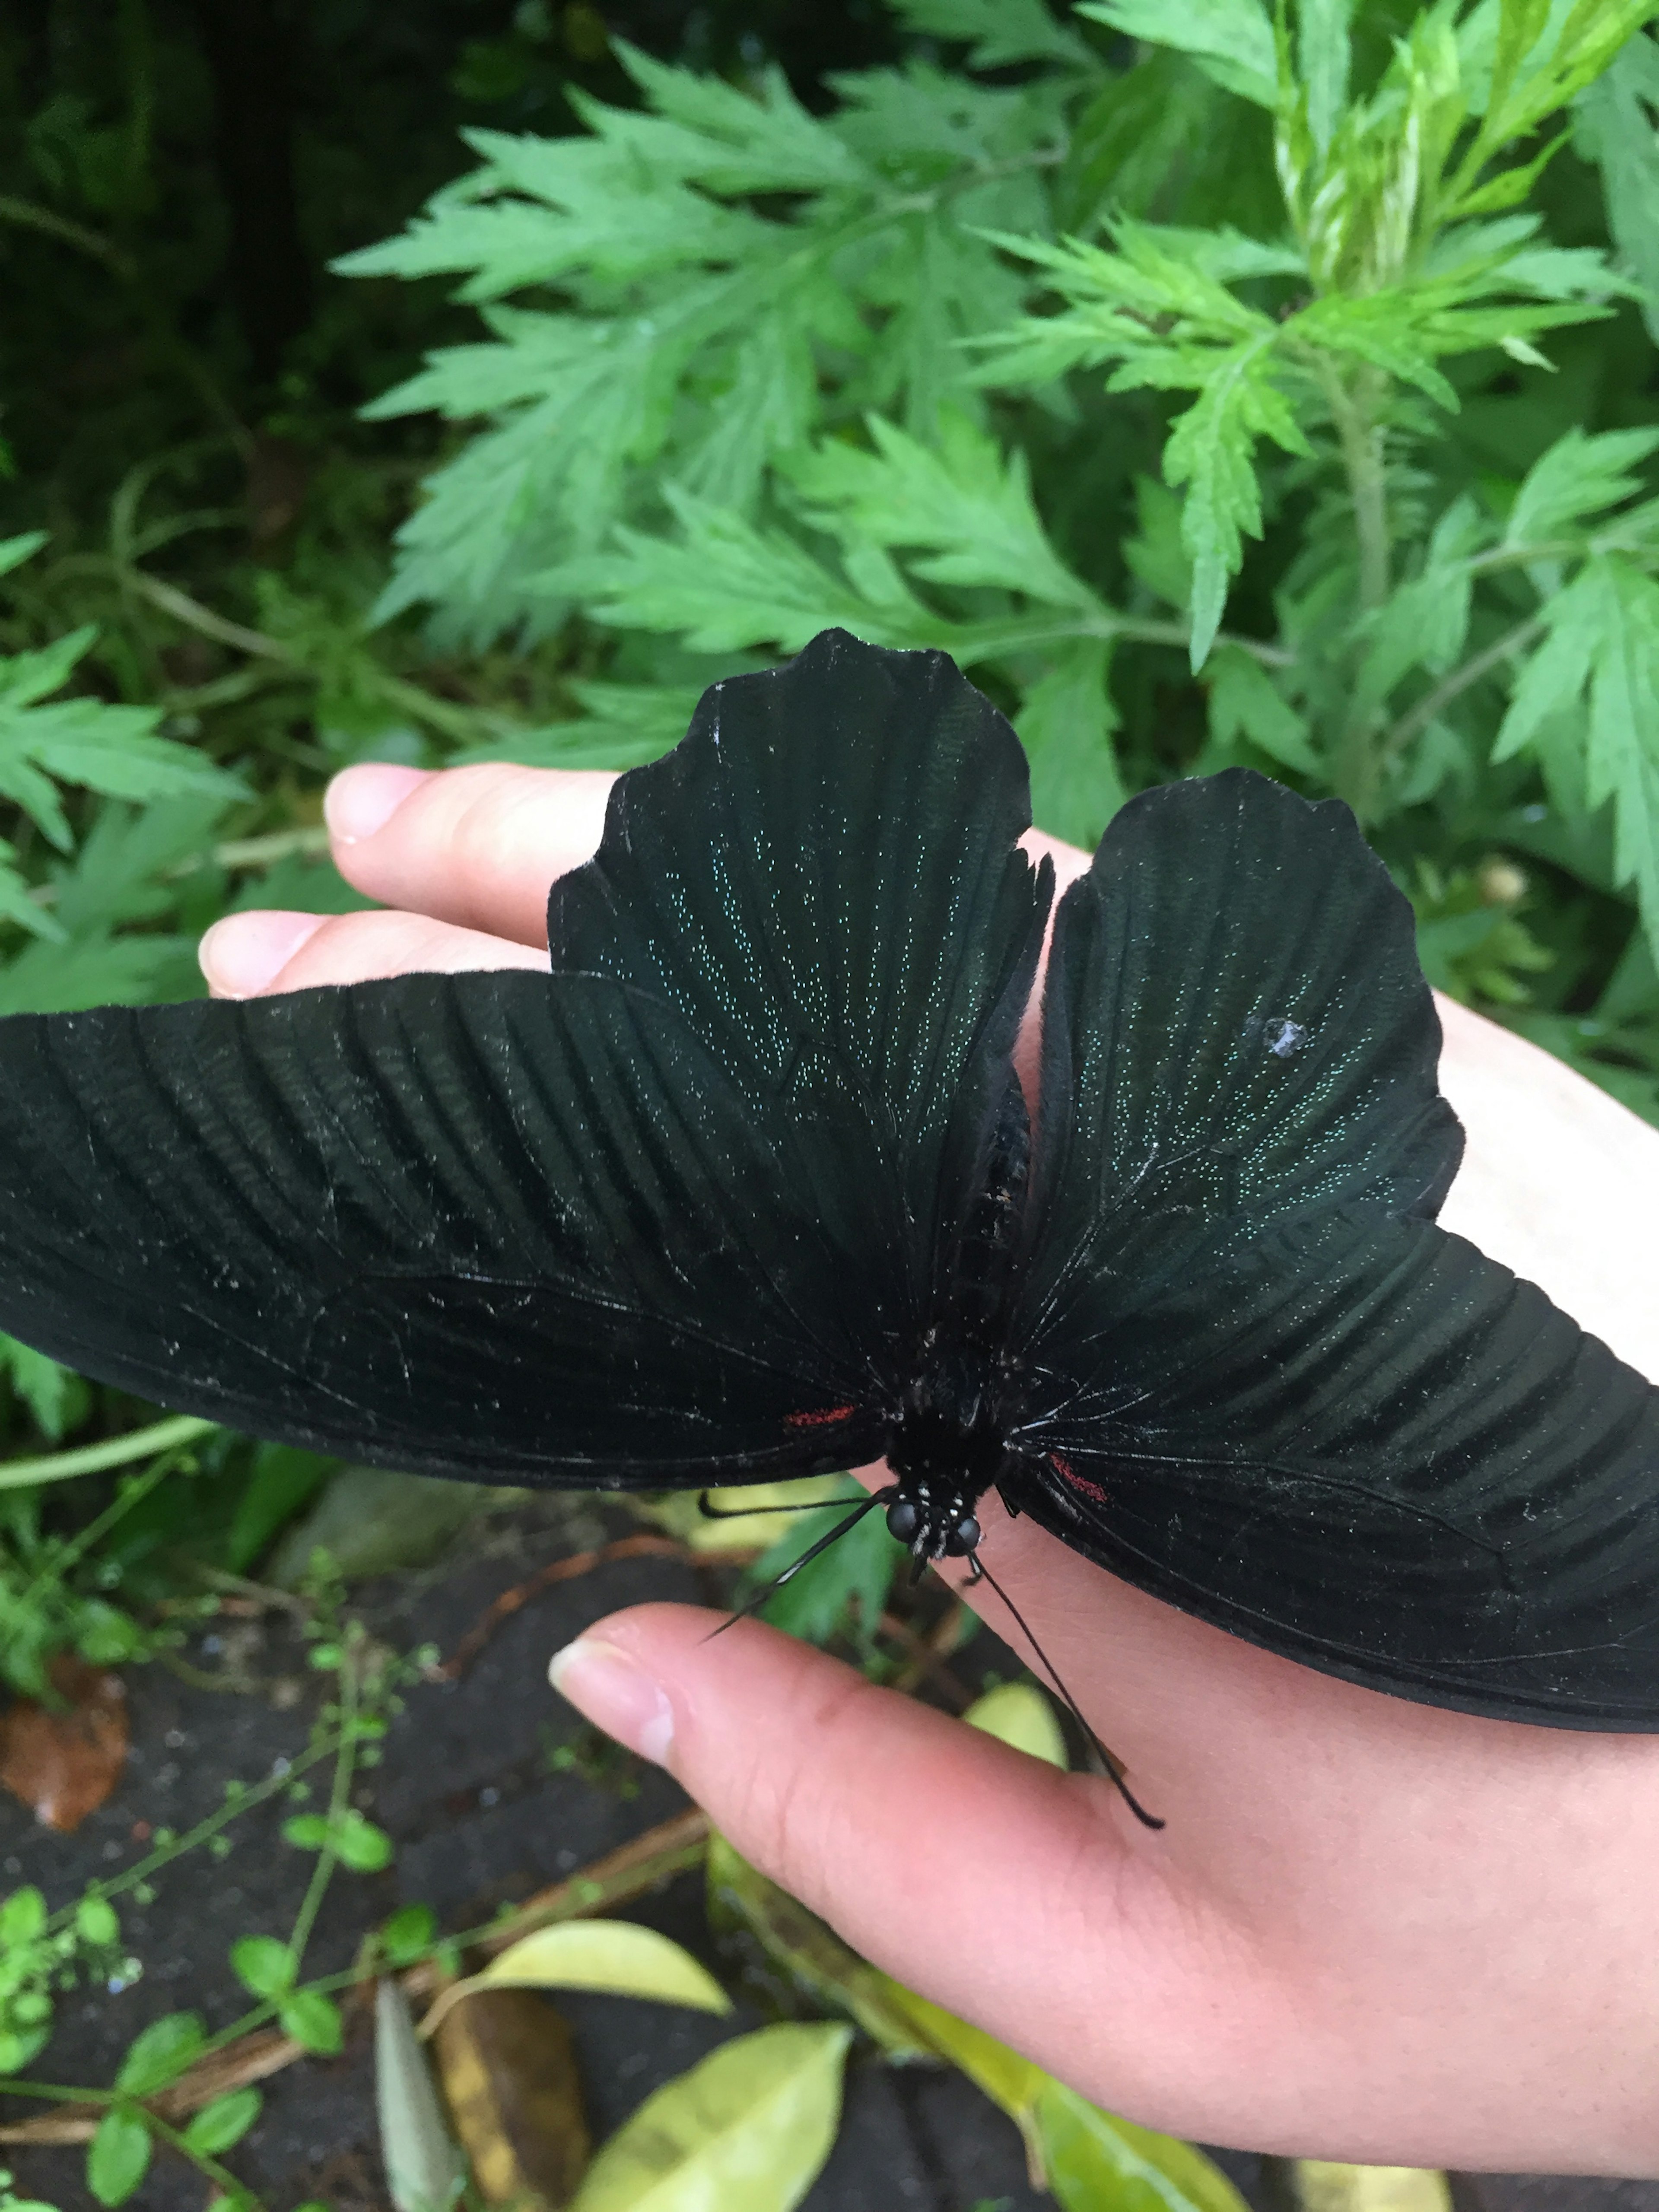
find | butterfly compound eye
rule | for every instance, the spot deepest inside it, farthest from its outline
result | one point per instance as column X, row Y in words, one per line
column 903, row 1519
column 962, row 1538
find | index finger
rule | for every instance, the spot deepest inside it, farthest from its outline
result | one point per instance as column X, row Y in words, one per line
column 479, row 847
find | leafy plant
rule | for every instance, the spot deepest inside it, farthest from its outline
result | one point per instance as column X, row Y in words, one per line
column 1193, row 460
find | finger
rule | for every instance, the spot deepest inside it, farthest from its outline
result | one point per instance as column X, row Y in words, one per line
column 1559, row 1182
column 962, row 1866
column 1340, row 1958
column 477, row 847
column 248, row 955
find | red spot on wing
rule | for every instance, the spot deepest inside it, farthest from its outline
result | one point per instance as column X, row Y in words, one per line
column 819, row 1420
column 1068, row 1472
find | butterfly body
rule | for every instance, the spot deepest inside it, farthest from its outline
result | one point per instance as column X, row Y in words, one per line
column 745, row 1188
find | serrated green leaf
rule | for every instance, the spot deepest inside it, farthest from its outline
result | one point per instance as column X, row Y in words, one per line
column 748, row 2129
column 160, row 2054
column 1092, row 2159
column 1065, row 725
column 725, row 584
column 969, row 511
column 14, row 552
column 41, row 1383
column 1245, row 702
column 625, row 724
column 767, row 142
column 26, row 677
column 1211, row 450
column 1232, row 38
column 1578, row 476
column 1389, row 330
column 998, row 32
column 1603, row 637
column 1426, row 622
column 1020, row 1714
column 118, row 2157
column 1615, row 126
column 220, row 2125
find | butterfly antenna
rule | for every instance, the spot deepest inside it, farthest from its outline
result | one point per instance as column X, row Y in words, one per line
column 742, row 1512
column 795, row 1566
column 1113, row 1765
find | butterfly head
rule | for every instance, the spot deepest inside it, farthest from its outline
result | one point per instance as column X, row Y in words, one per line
column 946, row 1446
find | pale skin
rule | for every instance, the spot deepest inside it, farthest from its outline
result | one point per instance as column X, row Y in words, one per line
column 1370, row 1930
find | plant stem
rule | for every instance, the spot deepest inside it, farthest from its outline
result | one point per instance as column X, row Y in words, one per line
column 164, row 1854
column 28, row 217
column 134, row 1493
column 339, row 1801
column 220, row 2174
column 116, row 1451
column 1356, row 410
column 1479, row 665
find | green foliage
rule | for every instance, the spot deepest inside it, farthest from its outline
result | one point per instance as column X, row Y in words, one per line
column 1240, row 335
column 160, row 2054
column 118, row 2157
column 47, row 742
column 844, row 1588
column 39, row 1953
column 736, row 275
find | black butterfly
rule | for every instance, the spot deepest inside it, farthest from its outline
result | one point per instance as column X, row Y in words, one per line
column 746, row 1190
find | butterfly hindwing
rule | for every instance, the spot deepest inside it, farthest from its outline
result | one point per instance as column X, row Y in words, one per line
column 502, row 1225
column 1262, row 1384
column 1367, row 1446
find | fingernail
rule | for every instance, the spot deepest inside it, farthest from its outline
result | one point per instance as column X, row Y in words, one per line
column 610, row 1688
column 244, row 951
column 363, row 800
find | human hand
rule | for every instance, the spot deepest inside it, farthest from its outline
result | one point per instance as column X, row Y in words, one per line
column 1370, row 1930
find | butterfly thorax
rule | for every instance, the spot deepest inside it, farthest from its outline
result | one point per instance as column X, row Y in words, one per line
column 946, row 1445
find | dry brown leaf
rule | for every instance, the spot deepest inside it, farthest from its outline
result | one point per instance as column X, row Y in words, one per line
column 508, row 2070
column 64, row 1764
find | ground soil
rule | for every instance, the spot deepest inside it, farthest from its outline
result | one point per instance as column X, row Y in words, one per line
column 481, row 1815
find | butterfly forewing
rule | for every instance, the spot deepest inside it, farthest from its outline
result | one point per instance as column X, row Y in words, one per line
column 474, row 1225
column 1235, row 1024
column 823, row 879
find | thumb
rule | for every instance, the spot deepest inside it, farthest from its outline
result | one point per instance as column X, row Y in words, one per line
column 962, row 1867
